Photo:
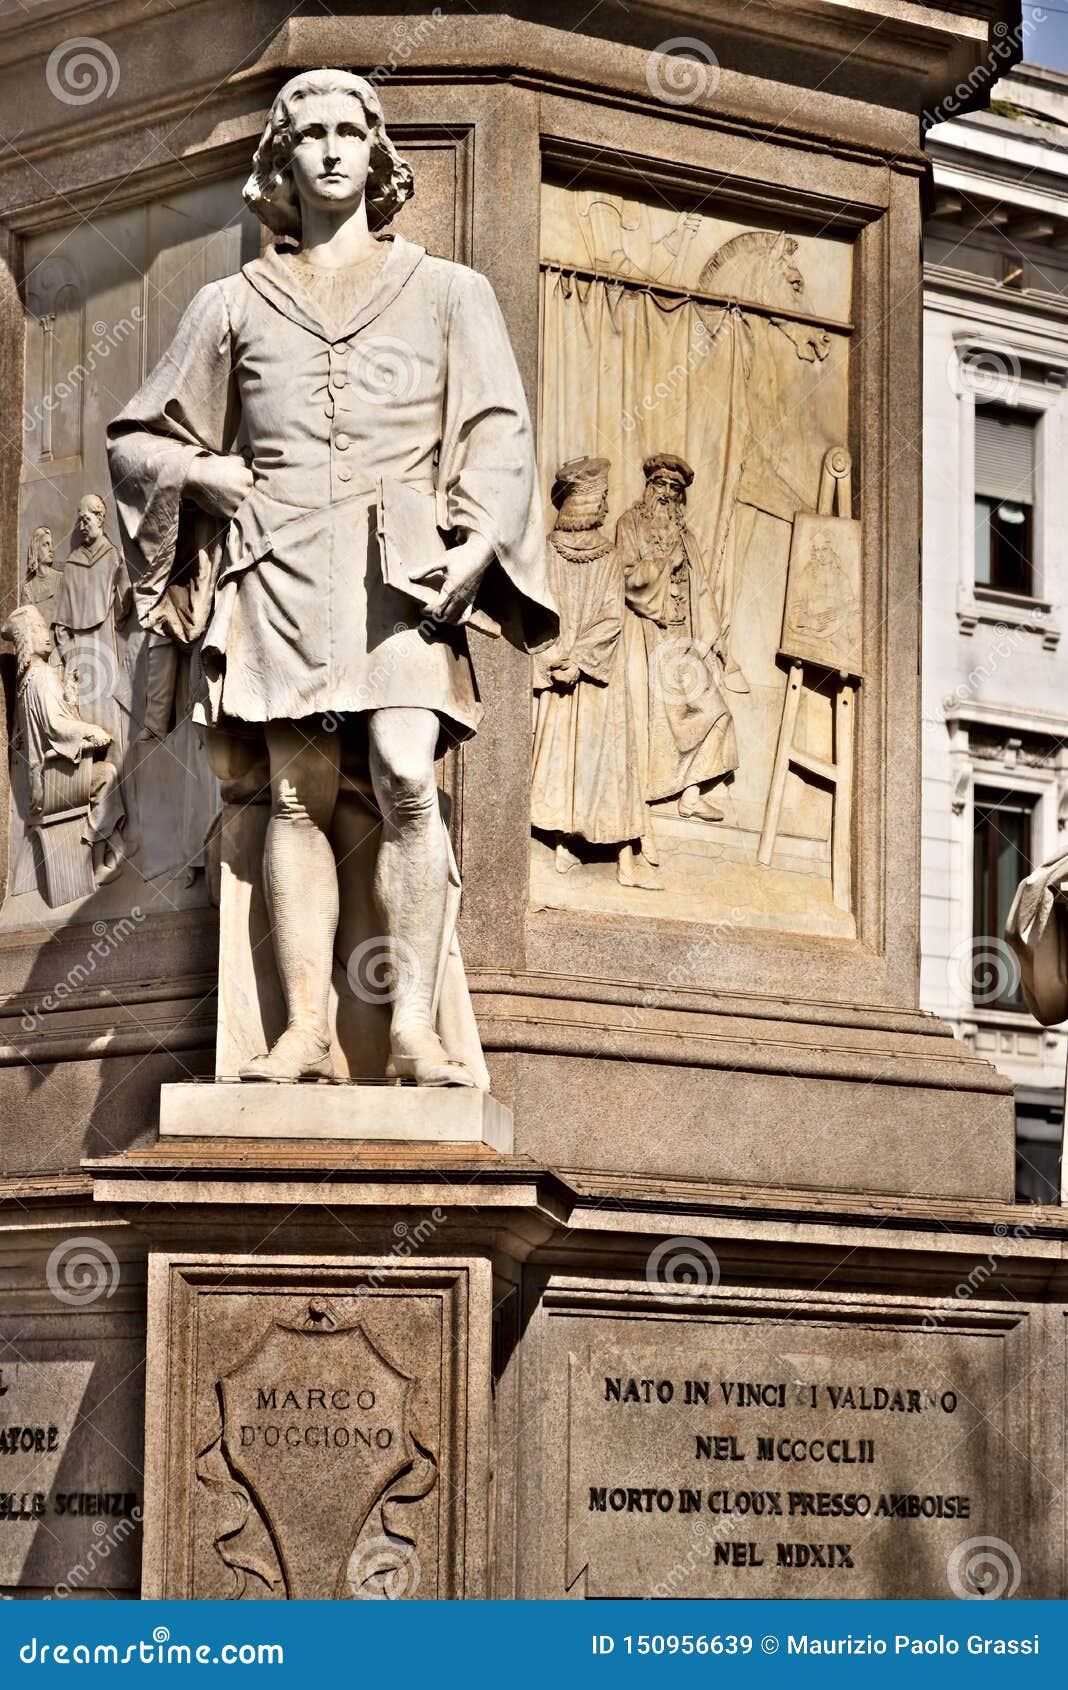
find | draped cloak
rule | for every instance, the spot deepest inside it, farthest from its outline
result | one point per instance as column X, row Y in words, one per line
column 585, row 781
column 673, row 652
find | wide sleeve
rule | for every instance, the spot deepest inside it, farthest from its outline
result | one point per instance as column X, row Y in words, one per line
column 486, row 466
column 186, row 408
column 594, row 649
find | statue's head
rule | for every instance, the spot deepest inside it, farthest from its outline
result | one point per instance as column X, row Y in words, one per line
column 666, row 479
column 41, row 550
column 580, row 493
column 90, row 520
column 325, row 144
column 28, row 632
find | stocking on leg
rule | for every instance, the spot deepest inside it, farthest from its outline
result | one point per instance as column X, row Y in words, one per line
column 411, row 884
column 300, row 878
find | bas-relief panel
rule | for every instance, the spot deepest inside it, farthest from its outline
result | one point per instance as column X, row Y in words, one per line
column 111, row 797
column 693, row 738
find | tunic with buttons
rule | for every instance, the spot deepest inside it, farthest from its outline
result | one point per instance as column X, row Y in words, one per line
column 419, row 385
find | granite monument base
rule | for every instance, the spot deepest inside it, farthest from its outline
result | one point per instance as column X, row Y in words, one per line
column 691, row 1390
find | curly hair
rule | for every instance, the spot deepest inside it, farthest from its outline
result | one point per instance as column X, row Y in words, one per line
column 33, row 555
column 28, row 632
column 269, row 191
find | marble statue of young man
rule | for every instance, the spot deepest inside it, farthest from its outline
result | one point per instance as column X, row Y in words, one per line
column 377, row 390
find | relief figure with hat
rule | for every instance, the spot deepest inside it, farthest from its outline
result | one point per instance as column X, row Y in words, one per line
column 674, row 649
column 585, row 784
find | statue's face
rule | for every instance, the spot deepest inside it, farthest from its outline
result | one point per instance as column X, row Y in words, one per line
column 331, row 152
column 46, row 551
column 90, row 523
column 664, row 487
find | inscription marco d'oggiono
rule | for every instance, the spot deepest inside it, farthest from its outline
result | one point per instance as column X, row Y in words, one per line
column 792, row 1475
column 316, row 1418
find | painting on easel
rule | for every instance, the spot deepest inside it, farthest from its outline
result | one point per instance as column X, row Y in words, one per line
column 821, row 626
column 821, row 620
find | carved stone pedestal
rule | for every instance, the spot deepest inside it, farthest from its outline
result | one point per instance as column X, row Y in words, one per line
column 317, row 1431
column 391, row 1113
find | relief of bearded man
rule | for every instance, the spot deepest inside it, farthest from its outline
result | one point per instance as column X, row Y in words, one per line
column 675, row 659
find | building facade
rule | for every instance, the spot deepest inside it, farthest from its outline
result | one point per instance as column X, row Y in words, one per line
column 995, row 575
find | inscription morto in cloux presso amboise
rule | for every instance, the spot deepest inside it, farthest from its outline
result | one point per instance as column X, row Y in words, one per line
column 793, row 1481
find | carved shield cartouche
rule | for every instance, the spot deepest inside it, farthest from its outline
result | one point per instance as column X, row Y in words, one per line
column 315, row 1427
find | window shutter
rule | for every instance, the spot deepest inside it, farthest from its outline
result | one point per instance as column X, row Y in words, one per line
column 1004, row 455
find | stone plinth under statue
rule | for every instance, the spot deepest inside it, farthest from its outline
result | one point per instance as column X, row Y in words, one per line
column 383, row 1113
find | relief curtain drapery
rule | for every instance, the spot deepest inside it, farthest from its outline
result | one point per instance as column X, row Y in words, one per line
column 626, row 372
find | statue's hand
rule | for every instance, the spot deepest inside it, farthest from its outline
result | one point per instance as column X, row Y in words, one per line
column 464, row 566
column 97, row 738
column 218, row 484
column 565, row 674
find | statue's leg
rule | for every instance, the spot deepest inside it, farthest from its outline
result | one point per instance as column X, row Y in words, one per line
column 300, row 878
column 411, row 883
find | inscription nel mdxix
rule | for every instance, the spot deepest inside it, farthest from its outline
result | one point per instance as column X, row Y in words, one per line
column 758, row 1428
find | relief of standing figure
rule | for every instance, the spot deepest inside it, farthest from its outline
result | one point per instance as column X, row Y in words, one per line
column 93, row 600
column 42, row 583
column 585, row 783
column 58, row 744
column 673, row 643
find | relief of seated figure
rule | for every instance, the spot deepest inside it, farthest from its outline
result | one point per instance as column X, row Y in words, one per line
column 75, row 801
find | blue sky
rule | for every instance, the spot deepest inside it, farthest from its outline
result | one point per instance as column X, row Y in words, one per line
column 1046, row 33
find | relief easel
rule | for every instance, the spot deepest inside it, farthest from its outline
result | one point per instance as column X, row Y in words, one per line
column 822, row 627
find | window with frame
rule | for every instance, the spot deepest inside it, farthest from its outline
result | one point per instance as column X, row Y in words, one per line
column 1004, row 500
column 1002, row 857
